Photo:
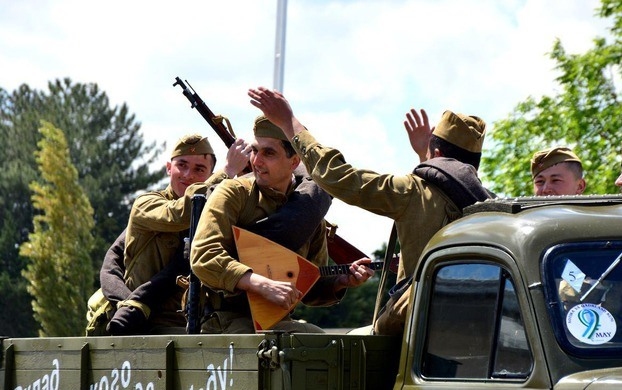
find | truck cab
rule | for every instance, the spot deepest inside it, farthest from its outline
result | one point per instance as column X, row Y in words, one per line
column 519, row 293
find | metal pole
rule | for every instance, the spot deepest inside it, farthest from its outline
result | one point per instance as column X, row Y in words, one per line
column 279, row 51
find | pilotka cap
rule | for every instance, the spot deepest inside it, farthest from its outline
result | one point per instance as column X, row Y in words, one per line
column 548, row 157
column 464, row 131
column 264, row 128
column 194, row 144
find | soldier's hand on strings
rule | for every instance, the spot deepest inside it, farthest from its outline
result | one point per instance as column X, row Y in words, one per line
column 359, row 273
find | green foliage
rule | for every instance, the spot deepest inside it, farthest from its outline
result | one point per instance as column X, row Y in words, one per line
column 60, row 272
column 355, row 310
column 105, row 146
column 15, row 304
column 584, row 115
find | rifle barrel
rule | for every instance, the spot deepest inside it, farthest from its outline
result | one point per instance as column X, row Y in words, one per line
column 207, row 114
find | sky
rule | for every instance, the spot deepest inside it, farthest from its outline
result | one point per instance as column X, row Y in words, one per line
column 352, row 68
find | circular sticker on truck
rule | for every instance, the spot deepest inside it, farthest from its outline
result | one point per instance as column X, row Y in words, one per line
column 591, row 324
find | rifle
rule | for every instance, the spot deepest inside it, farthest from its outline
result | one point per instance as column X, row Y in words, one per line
column 225, row 133
column 341, row 251
column 194, row 288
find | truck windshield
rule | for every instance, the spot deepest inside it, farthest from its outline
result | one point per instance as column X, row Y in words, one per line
column 583, row 283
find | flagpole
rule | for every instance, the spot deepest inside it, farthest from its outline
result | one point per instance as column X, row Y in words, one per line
column 279, row 51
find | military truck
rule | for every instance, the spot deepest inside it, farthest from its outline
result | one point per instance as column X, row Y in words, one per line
column 519, row 293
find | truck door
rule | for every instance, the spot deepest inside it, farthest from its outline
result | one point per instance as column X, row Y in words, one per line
column 470, row 327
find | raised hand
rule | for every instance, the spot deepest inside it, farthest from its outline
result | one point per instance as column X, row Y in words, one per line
column 419, row 132
column 237, row 157
column 276, row 108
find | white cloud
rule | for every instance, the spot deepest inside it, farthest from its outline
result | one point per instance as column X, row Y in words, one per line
column 352, row 68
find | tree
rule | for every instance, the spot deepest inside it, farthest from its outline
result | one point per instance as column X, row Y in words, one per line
column 355, row 310
column 585, row 115
column 60, row 272
column 108, row 151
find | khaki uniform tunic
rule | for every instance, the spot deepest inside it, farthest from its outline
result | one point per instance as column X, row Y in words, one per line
column 418, row 208
column 155, row 232
column 240, row 202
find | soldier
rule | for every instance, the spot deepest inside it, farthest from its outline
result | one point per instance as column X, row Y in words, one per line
column 418, row 207
column 141, row 282
column 308, row 200
column 242, row 202
column 557, row 171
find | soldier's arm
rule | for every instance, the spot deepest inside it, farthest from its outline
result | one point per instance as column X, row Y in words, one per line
column 112, row 272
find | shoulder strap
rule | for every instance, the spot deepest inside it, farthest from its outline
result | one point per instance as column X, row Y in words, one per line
column 456, row 179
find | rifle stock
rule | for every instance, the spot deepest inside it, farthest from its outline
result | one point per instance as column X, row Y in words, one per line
column 341, row 251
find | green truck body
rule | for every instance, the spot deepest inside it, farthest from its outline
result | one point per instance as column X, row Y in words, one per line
column 520, row 293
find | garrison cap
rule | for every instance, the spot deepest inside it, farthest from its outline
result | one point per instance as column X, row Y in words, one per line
column 548, row 157
column 464, row 131
column 264, row 128
column 193, row 144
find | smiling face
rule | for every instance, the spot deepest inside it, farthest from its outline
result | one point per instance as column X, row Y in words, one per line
column 559, row 179
column 189, row 169
column 271, row 165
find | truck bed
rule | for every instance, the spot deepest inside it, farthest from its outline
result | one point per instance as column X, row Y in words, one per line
column 262, row 361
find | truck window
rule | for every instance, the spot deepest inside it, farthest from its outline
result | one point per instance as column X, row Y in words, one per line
column 475, row 329
column 584, row 285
